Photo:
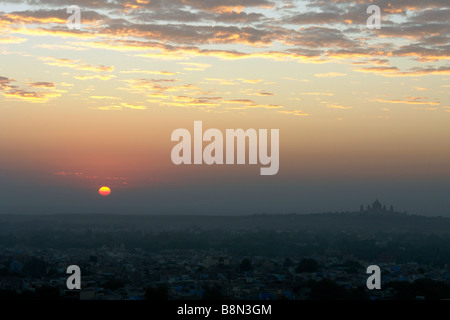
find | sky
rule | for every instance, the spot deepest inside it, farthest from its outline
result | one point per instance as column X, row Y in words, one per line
column 362, row 113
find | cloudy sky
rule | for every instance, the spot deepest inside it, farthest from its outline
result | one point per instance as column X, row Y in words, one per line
column 362, row 113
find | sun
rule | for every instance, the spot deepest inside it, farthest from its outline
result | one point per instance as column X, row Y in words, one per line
column 104, row 191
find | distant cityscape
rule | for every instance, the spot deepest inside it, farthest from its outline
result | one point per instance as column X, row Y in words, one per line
column 196, row 262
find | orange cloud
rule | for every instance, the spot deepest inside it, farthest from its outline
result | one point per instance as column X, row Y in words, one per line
column 239, row 101
column 338, row 106
column 395, row 72
column 10, row 90
column 162, row 73
column 222, row 82
column 252, row 81
column 122, row 106
column 409, row 100
column 330, row 75
column 11, row 40
column 317, row 94
column 41, row 84
column 294, row 112
column 104, row 98
column 260, row 93
column 104, row 77
column 190, row 66
column 76, row 64
column 63, row 33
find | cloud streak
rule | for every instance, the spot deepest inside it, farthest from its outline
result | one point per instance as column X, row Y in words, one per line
column 9, row 90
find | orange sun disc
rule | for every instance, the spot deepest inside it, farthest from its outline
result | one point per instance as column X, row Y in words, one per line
column 104, row 191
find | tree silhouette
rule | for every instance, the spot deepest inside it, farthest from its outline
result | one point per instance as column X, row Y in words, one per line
column 307, row 265
column 326, row 290
column 288, row 263
column 246, row 265
column 157, row 293
column 213, row 293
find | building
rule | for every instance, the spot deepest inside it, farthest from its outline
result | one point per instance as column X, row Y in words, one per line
column 378, row 208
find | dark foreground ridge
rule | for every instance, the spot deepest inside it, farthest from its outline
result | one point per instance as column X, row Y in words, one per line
column 254, row 257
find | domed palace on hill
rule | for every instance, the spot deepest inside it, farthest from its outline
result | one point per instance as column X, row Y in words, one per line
column 378, row 208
